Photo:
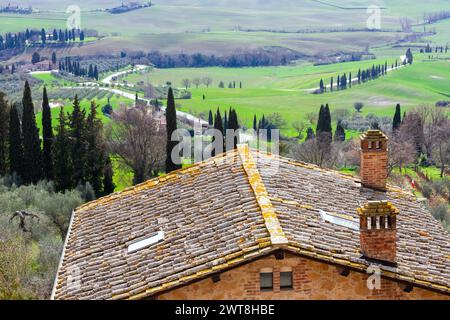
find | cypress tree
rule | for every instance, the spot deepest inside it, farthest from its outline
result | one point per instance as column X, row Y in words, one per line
column 4, row 116
column 210, row 118
column 43, row 36
column 327, row 120
column 54, row 60
column 31, row 142
column 91, row 71
column 263, row 123
column 171, row 119
column 233, row 124
column 47, row 133
column 95, row 151
column 218, row 125
column 77, row 127
column 108, row 174
column 96, row 72
column 324, row 129
column 409, row 56
column 397, row 118
column 310, row 134
column 331, row 84
column 255, row 123
column 15, row 142
column 225, row 122
column 319, row 127
column 339, row 135
column 61, row 155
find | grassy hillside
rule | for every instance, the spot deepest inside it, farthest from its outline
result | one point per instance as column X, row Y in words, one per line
column 222, row 14
column 211, row 26
column 284, row 89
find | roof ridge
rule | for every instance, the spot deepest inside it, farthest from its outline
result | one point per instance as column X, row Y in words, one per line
column 277, row 236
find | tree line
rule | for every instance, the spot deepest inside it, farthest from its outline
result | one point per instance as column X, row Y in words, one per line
column 72, row 154
column 20, row 39
column 343, row 82
column 74, row 67
column 229, row 121
column 255, row 58
column 437, row 49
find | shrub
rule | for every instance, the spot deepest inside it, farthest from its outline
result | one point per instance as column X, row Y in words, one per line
column 441, row 188
column 28, row 260
column 440, row 212
column 427, row 190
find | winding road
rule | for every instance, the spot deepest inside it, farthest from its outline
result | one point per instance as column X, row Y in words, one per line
column 183, row 116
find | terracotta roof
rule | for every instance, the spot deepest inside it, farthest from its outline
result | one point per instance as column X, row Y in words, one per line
column 232, row 209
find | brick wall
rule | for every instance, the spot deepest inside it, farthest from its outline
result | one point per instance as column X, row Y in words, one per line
column 379, row 244
column 311, row 280
column 374, row 169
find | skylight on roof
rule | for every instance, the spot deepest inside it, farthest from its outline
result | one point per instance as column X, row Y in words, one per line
column 146, row 242
column 347, row 223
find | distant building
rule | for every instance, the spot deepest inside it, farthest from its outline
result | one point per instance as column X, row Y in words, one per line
column 130, row 6
column 252, row 225
column 45, row 65
column 16, row 9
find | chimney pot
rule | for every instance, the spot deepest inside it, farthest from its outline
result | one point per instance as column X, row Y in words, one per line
column 378, row 231
column 374, row 159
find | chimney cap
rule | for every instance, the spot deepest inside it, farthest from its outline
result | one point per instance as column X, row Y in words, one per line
column 378, row 208
column 374, row 135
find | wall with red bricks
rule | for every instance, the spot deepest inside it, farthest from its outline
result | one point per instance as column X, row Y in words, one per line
column 379, row 244
column 374, row 169
column 311, row 280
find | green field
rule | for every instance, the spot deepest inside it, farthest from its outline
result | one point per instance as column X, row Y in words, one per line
column 50, row 80
column 224, row 26
column 285, row 89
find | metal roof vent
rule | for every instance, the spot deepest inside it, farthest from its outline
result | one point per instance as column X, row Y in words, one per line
column 146, row 242
column 340, row 221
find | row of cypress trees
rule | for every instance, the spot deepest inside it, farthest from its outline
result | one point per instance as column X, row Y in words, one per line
column 343, row 82
column 76, row 69
column 230, row 120
column 75, row 156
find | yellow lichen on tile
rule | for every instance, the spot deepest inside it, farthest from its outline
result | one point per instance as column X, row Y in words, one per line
column 277, row 235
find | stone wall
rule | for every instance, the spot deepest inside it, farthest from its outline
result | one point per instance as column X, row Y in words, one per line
column 311, row 280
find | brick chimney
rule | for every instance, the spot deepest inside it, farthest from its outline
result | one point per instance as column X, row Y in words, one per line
column 374, row 160
column 378, row 231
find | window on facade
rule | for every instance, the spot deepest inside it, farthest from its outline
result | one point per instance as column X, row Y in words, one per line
column 286, row 279
column 266, row 280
